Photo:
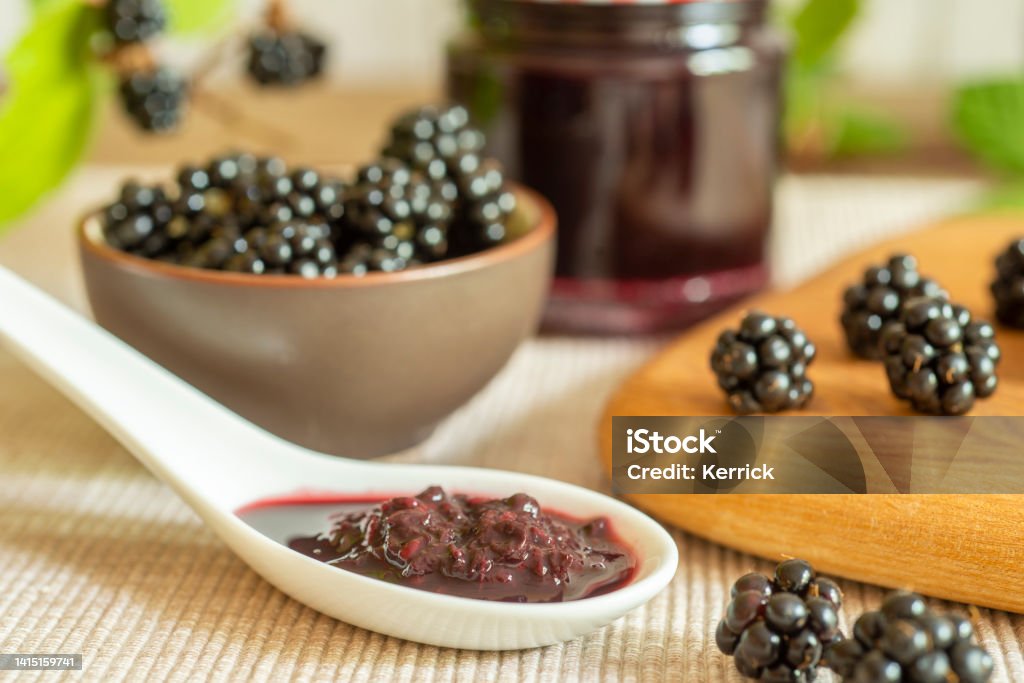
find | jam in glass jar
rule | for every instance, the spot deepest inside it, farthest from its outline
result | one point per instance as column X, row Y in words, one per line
column 653, row 128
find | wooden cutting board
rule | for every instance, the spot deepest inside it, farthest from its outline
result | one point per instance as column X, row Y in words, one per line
column 958, row 547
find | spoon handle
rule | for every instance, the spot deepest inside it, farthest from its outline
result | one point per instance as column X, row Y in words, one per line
column 181, row 435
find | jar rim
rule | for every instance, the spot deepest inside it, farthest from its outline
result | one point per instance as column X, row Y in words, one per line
column 607, row 23
column 633, row 3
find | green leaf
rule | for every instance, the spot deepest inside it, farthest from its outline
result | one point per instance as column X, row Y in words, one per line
column 817, row 27
column 1009, row 195
column 38, row 6
column 804, row 94
column 198, row 16
column 861, row 132
column 46, row 116
column 988, row 118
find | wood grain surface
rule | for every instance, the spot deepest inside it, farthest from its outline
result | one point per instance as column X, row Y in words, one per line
column 958, row 547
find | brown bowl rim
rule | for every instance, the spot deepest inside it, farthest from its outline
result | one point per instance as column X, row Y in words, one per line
column 542, row 232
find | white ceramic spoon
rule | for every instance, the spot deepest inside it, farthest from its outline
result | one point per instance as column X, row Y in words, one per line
column 217, row 462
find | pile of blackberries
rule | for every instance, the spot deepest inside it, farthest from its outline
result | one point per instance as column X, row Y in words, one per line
column 781, row 629
column 762, row 366
column 777, row 629
column 906, row 641
column 252, row 214
column 939, row 358
column 870, row 304
column 238, row 213
column 936, row 354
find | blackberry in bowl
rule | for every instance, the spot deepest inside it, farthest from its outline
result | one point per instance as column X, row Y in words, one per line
column 258, row 284
column 250, row 214
column 447, row 149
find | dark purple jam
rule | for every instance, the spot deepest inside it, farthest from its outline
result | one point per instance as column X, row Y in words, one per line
column 653, row 130
column 507, row 550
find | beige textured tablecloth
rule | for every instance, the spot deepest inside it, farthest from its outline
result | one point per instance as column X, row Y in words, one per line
column 98, row 557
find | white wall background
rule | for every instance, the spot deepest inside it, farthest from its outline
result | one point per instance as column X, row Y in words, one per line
column 384, row 42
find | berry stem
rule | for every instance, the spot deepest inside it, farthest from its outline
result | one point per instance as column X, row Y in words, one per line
column 277, row 15
column 130, row 58
column 214, row 58
column 229, row 115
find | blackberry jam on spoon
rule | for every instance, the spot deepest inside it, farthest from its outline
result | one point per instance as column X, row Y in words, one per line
column 219, row 464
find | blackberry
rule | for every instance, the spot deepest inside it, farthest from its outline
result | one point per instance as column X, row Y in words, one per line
column 137, row 221
column 295, row 247
column 906, row 641
column 777, row 629
column 285, row 58
column 870, row 304
column 134, row 21
column 434, row 140
column 1008, row 287
column 938, row 357
column 154, row 99
column 444, row 146
column 399, row 213
column 762, row 366
column 485, row 205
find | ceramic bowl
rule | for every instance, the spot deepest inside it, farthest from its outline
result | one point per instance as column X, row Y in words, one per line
column 353, row 366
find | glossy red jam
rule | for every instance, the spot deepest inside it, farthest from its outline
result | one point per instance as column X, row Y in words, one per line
column 653, row 130
column 506, row 550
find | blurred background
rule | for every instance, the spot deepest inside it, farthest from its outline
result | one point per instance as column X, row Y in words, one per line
column 903, row 59
column 643, row 167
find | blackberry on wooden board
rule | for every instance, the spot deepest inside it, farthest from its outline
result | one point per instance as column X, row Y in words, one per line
column 762, row 366
column 777, row 628
column 939, row 358
column 1008, row 287
column 876, row 300
column 907, row 641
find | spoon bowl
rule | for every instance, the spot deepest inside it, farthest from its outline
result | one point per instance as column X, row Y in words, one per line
column 218, row 462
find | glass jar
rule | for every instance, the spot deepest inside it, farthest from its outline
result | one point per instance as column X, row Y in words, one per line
column 652, row 127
